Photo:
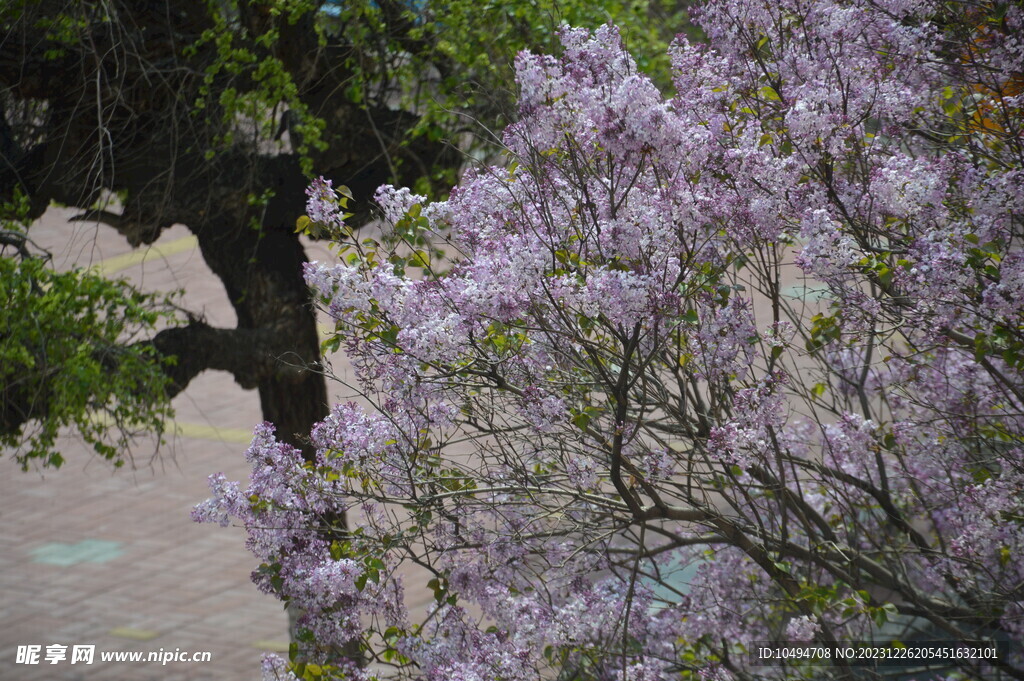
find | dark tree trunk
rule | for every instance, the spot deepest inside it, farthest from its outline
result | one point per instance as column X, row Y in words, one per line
column 269, row 292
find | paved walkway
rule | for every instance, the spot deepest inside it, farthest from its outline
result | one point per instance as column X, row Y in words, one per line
column 90, row 555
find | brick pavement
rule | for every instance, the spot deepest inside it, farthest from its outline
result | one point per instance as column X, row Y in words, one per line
column 158, row 581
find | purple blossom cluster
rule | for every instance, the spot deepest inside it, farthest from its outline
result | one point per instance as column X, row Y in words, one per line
column 602, row 431
column 324, row 204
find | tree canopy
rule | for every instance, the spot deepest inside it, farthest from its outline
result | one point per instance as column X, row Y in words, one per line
column 695, row 372
column 213, row 114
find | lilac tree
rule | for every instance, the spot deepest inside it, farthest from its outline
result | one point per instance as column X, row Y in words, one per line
column 688, row 373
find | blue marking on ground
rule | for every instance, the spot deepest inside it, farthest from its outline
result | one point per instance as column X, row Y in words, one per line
column 85, row 551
